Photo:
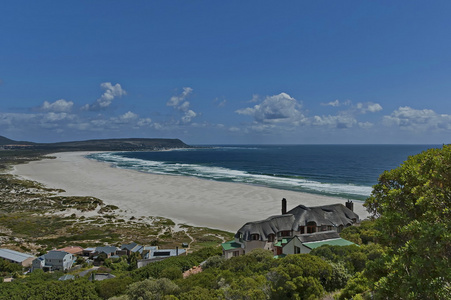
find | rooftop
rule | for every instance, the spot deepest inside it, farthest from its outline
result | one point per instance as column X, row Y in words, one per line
column 331, row 242
column 14, row 255
column 230, row 245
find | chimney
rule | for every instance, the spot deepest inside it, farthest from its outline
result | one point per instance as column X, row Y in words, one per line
column 350, row 205
column 284, row 206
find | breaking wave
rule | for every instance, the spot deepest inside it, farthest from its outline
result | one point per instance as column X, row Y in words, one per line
column 287, row 182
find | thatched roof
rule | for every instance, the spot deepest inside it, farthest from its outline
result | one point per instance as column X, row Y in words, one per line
column 331, row 215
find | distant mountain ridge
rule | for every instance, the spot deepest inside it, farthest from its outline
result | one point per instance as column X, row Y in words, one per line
column 6, row 141
column 125, row 144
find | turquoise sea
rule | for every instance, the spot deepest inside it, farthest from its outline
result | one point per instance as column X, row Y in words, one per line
column 347, row 171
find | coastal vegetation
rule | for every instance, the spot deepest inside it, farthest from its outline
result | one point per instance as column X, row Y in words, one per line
column 34, row 218
column 403, row 250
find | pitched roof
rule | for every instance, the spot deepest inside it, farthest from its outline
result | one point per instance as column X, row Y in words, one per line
column 231, row 245
column 72, row 249
column 263, row 228
column 331, row 242
column 106, row 249
column 331, row 215
column 54, row 254
column 14, row 255
column 334, row 214
column 129, row 246
column 318, row 236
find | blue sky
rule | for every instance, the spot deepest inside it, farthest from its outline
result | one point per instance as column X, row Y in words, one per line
column 227, row 72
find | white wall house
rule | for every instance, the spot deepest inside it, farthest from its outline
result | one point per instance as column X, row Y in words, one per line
column 54, row 261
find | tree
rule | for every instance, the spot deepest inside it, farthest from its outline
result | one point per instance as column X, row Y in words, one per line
column 152, row 289
column 412, row 204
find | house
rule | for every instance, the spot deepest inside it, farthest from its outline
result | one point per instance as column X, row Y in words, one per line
column 54, row 260
column 147, row 250
column 160, row 254
column 132, row 248
column 108, row 250
column 276, row 231
column 307, row 242
column 16, row 257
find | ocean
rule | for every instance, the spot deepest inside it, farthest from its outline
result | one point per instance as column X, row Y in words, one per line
column 346, row 171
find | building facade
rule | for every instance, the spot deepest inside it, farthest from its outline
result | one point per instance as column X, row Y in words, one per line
column 54, row 261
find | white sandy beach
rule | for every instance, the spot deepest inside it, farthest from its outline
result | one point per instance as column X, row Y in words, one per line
column 186, row 200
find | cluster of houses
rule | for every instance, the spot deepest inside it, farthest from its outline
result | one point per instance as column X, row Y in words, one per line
column 293, row 232
column 296, row 231
column 64, row 258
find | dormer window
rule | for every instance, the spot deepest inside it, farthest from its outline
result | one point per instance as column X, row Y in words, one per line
column 255, row 237
column 301, row 229
column 271, row 238
column 285, row 233
column 311, row 227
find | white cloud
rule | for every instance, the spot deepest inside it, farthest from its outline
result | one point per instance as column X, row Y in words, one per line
column 365, row 125
column 333, row 103
column 340, row 121
column 176, row 100
column 418, row 120
column 368, row 107
column 337, row 103
column 54, row 117
column 281, row 108
column 179, row 103
column 57, row 106
column 189, row 115
column 255, row 98
column 111, row 92
column 144, row 122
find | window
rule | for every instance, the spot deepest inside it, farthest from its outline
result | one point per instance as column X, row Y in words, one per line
column 236, row 253
column 285, row 233
column 302, row 229
column 340, row 228
column 311, row 227
column 323, row 227
column 271, row 238
column 255, row 237
column 297, row 250
column 329, row 227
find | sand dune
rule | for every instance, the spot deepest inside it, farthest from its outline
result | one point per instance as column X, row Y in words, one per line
column 187, row 200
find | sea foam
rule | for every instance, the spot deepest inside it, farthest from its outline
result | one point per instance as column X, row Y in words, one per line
column 295, row 183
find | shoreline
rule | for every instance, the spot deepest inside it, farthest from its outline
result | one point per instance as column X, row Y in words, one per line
column 185, row 200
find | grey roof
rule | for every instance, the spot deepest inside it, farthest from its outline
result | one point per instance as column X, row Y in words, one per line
column 133, row 247
column 318, row 236
column 54, row 254
column 271, row 225
column 334, row 214
column 106, row 249
column 14, row 255
column 129, row 246
column 331, row 215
